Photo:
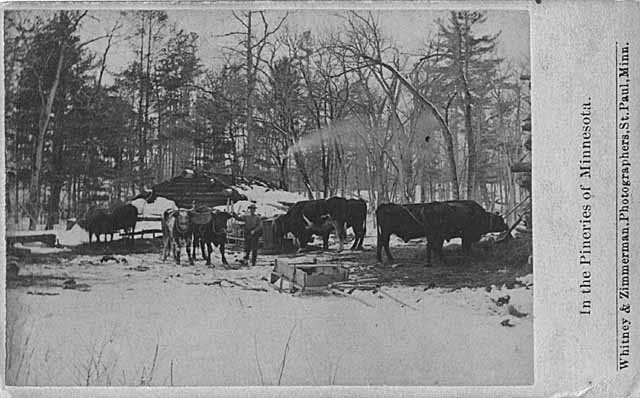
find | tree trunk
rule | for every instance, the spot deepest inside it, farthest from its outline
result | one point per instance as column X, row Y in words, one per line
column 53, row 214
column 325, row 169
column 69, row 207
column 466, row 100
column 45, row 116
column 251, row 146
column 56, row 165
column 471, row 148
column 357, row 178
column 340, row 167
column 430, row 190
column 304, row 175
column 16, row 216
column 402, row 178
column 147, row 94
column 448, row 136
column 284, row 183
column 484, row 194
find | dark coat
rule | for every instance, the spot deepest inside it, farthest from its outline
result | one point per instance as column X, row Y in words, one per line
column 125, row 217
column 98, row 222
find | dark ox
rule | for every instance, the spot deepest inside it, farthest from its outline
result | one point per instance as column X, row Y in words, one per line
column 125, row 218
column 437, row 221
column 98, row 222
column 357, row 221
column 338, row 210
column 305, row 219
column 473, row 221
column 209, row 227
column 349, row 213
column 176, row 232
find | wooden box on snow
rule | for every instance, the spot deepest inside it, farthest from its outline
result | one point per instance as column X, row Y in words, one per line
column 306, row 276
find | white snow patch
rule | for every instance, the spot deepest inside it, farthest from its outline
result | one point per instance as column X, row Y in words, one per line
column 526, row 280
column 142, row 225
column 269, row 202
column 261, row 194
column 73, row 237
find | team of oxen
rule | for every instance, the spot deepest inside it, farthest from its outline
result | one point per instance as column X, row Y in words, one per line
column 436, row 221
column 198, row 226
column 204, row 227
column 322, row 216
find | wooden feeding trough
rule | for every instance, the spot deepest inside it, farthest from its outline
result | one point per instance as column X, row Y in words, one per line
column 47, row 238
column 307, row 277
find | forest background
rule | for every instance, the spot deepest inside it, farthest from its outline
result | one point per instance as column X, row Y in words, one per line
column 391, row 106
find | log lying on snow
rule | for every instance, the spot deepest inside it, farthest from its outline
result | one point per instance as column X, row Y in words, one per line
column 362, row 284
column 397, row 300
column 353, row 286
column 364, row 280
column 235, row 283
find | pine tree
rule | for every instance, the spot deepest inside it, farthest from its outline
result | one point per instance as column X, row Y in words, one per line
column 471, row 65
column 54, row 68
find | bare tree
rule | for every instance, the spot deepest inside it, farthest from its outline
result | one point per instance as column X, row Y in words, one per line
column 366, row 47
column 67, row 22
column 252, row 45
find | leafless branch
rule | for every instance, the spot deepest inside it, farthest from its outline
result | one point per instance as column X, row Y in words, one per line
column 429, row 56
column 235, row 33
column 446, row 110
column 239, row 19
column 93, row 40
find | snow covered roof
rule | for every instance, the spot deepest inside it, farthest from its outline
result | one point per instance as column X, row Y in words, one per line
column 203, row 189
column 155, row 208
column 269, row 200
column 262, row 194
column 222, row 190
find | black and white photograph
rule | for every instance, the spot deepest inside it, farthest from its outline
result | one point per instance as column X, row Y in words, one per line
column 268, row 197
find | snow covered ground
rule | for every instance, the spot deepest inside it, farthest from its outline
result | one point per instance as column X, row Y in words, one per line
column 142, row 321
column 131, row 319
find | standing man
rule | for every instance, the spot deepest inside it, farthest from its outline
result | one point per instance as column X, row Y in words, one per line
column 252, row 231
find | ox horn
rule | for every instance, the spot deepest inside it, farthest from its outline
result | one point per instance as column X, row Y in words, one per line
column 309, row 223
